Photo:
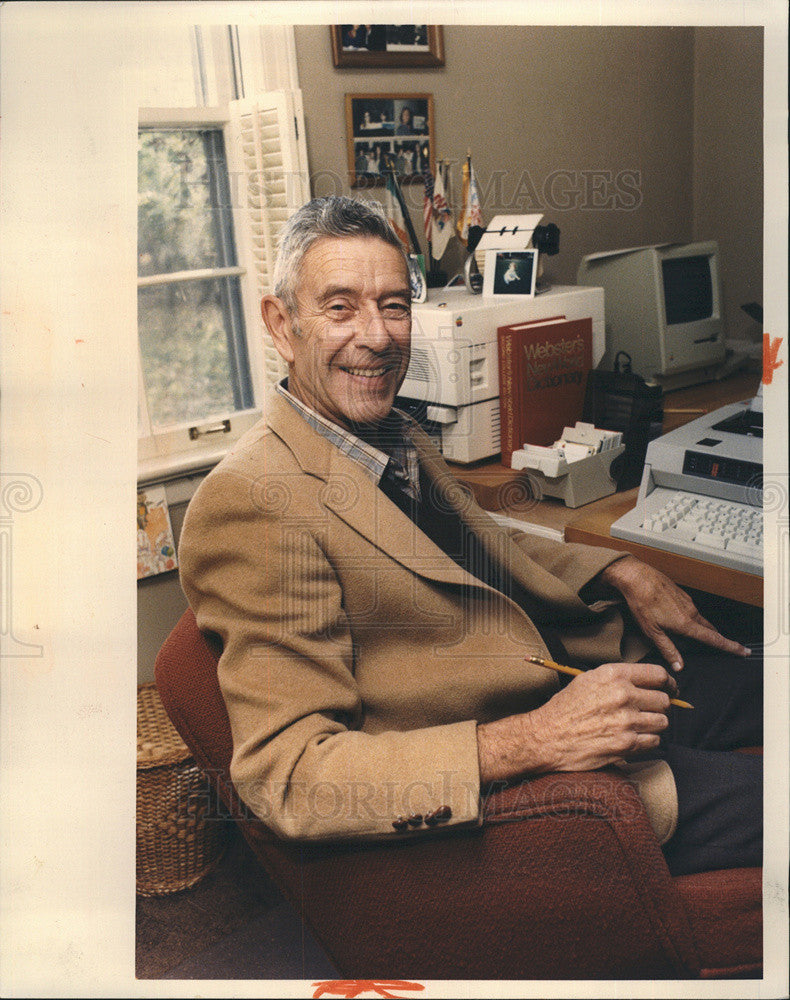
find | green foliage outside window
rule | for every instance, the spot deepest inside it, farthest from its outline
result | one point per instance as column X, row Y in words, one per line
column 184, row 325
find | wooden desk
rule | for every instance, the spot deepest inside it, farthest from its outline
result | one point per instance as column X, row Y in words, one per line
column 683, row 405
column 497, row 487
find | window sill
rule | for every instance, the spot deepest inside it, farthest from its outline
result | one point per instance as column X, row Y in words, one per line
column 174, row 454
column 161, row 470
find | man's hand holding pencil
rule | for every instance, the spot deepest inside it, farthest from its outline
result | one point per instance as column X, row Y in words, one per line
column 612, row 712
column 604, row 716
column 575, row 671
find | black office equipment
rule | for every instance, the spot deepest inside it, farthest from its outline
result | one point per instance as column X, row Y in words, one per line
column 754, row 311
column 622, row 401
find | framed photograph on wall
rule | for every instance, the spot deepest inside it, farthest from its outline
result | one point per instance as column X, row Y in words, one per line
column 389, row 128
column 386, row 45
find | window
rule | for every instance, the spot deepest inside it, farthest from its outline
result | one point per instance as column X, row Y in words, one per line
column 215, row 185
column 193, row 346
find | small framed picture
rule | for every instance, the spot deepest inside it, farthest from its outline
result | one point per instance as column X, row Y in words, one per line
column 392, row 46
column 510, row 272
column 389, row 129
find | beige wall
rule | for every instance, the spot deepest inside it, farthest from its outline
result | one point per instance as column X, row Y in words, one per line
column 628, row 102
column 728, row 162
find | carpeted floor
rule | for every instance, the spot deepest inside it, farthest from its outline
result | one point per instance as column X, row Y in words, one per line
column 235, row 924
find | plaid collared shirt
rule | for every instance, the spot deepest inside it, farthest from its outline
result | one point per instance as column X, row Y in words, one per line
column 399, row 463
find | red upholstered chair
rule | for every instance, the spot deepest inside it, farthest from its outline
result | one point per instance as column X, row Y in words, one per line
column 563, row 880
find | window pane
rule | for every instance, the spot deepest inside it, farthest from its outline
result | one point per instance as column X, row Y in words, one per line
column 183, row 205
column 189, row 367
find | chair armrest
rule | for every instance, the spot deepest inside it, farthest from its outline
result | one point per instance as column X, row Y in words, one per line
column 564, row 879
column 603, row 794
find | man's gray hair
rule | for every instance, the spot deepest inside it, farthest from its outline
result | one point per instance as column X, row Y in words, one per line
column 331, row 217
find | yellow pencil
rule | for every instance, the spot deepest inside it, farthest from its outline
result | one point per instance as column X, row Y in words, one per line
column 575, row 671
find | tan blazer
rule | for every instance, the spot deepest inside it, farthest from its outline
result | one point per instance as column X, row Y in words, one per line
column 358, row 657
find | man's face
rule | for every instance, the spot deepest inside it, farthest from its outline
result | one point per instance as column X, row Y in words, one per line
column 350, row 351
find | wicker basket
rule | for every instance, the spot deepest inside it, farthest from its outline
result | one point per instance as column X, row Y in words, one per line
column 180, row 832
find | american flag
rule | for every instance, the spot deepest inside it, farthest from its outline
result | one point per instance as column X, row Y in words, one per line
column 427, row 205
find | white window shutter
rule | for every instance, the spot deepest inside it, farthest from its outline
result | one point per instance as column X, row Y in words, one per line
column 267, row 158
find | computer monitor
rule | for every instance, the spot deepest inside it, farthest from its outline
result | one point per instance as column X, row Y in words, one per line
column 663, row 308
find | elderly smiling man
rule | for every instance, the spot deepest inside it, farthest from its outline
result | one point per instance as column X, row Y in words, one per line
column 375, row 621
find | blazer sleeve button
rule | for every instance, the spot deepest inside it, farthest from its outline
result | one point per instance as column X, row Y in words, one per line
column 400, row 823
column 443, row 813
column 415, row 820
column 431, row 819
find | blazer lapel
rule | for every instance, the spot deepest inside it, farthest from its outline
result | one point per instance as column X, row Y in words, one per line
column 356, row 499
column 374, row 516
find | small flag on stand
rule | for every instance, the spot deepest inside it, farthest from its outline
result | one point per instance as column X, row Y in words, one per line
column 442, row 223
column 475, row 215
column 427, row 205
column 470, row 213
column 394, row 213
column 462, row 222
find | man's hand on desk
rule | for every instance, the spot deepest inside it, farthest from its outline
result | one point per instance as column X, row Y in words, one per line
column 660, row 607
column 602, row 717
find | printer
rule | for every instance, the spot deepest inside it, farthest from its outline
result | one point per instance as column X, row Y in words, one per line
column 452, row 383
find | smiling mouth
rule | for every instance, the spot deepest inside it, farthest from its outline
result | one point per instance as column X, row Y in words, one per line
column 369, row 372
